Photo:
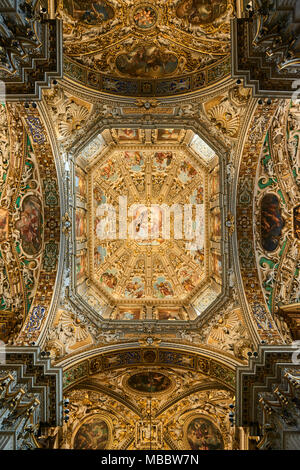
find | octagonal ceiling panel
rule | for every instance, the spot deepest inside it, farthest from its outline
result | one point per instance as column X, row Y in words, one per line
column 146, row 48
column 146, row 265
column 147, row 231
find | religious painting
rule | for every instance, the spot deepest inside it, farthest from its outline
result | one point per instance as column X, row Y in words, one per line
column 81, row 264
column 139, row 225
column 216, row 263
column 146, row 60
column 198, row 256
column 145, row 17
column 201, row 12
column 80, row 223
column 215, row 183
column 296, row 218
column 135, row 161
column 80, row 183
column 30, row 225
column 109, row 279
column 168, row 314
column 197, row 196
column 216, row 224
column 149, row 356
column 99, row 196
column 104, row 225
column 129, row 314
column 91, row 12
column 187, row 172
column 92, row 435
column 202, row 434
column 272, row 222
column 149, row 382
column 146, row 225
column 108, row 171
column 162, row 160
column 162, row 288
column 135, row 288
column 3, row 224
column 100, row 253
column 168, row 134
column 128, row 135
column 188, row 279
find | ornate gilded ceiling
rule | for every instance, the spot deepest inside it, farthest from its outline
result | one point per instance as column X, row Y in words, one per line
column 147, row 265
column 154, row 407
column 138, row 311
column 266, row 48
column 148, row 224
column 146, row 48
column 151, row 281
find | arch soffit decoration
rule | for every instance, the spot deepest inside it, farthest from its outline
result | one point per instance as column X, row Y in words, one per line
column 263, row 125
column 211, row 379
column 211, row 363
column 31, row 201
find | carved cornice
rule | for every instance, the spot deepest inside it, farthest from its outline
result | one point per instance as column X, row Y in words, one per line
column 264, row 373
column 264, row 48
column 31, row 52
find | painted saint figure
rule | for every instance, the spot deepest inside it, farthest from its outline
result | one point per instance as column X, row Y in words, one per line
column 30, row 225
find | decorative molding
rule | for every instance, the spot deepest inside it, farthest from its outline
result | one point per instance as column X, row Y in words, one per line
column 31, row 49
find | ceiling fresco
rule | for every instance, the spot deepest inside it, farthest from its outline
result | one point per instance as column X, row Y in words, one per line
column 109, row 283
column 144, row 223
column 158, row 407
column 149, row 225
column 197, row 422
column 144, row 229
column 146, row 48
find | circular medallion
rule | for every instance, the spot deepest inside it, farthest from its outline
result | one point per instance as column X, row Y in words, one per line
column 145, row 17
column 149, row 382
column 149, row 356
